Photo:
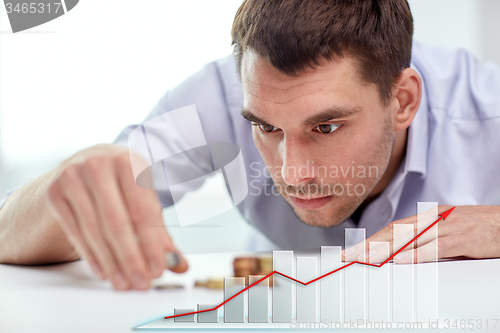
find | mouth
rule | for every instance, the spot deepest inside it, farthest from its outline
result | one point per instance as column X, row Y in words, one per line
column 310, row 203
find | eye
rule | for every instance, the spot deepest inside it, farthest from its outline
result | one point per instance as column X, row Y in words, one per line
column 327, row 128
column 267, row 128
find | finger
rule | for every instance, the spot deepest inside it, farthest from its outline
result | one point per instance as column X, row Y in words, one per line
column 427, row 218
column 101, row 179
column 62, row 211
column 403, row 240
column 145, row 212
column 182, row 264
column 443, row 247
column 378, row 252
column 167, row 242
column 440, row 229
column 406, row 238
column 386, row 234
column 405, row 257
column 352, row 253
column 87, row 221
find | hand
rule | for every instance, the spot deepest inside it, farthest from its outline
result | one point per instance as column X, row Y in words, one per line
column 470, row 231
column 116, row 225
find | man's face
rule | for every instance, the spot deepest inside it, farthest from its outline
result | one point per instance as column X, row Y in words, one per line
column 324, row 135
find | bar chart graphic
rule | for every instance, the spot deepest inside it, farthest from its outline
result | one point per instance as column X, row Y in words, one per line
column 328, row 289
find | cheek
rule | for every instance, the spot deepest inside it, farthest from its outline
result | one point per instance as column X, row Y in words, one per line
column 267, row 148
column 369, row 135
column 355, row 146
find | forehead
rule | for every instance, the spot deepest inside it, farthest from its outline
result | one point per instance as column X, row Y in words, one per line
column 261, row 80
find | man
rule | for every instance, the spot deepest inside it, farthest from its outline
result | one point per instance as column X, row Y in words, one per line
column 325, row 85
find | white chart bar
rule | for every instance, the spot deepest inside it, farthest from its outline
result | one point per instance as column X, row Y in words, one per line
column 209, row 316
column 331, row 286
column 355, row 279
column 427, row 274
column 258, row 300
column 234, row 310
column 378, row 283
column 307, row 296
column 403, row 276
column 282, row 287
column 186, row 318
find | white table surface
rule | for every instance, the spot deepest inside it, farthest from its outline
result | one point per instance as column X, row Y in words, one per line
column 68, row 298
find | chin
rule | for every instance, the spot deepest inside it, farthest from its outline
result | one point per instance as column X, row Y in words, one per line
column 331, row 215
column 324, row 218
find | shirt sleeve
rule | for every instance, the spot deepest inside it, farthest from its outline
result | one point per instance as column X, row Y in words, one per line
column 205, row 90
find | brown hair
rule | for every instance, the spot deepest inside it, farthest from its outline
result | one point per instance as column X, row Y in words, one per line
column 292, row 34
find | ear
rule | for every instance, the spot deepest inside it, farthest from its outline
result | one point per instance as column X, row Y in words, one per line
column 406, row 98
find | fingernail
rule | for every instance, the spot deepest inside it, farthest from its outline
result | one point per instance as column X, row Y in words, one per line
column 372, row 253
column 118, row 281
column 155, row 269
column 139, row 281
column 172, row 260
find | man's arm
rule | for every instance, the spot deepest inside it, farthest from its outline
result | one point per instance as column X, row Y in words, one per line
column 46, row 220
column 90, row 206
column 29, row 234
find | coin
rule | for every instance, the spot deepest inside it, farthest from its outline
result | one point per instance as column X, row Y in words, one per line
column 172, row 260
column 169, row 286
column 212, row 283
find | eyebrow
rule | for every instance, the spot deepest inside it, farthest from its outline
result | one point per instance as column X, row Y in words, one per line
column 327, row 115
column 248, row 115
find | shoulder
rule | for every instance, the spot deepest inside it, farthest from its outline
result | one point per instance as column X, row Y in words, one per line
column 457, row 83
column 205, row 88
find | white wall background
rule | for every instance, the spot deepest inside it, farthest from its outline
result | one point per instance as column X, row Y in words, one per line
column 78, row 80
column 471, row 24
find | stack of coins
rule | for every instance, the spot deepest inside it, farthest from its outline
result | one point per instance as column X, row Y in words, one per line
column 212, row 283
column 242, row 267
column 266, row 267
column 245, row 266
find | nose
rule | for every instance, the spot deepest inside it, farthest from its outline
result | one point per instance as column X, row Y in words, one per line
column 297, row 166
